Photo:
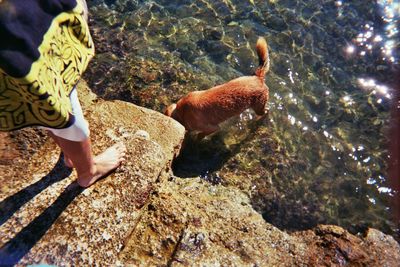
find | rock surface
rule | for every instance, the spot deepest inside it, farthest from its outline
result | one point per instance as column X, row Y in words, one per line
column 142, row 215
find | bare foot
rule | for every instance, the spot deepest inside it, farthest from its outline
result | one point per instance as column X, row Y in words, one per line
column 104, row 163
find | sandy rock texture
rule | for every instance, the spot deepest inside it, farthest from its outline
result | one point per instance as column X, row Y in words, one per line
column 142, row 215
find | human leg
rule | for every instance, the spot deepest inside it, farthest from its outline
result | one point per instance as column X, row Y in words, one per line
column 74, row 142
column 79, row 131
column 67, row 160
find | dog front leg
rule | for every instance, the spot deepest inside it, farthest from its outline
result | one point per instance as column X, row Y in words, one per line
column 210, row 129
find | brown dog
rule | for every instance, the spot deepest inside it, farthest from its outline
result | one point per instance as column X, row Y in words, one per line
column 203, row 110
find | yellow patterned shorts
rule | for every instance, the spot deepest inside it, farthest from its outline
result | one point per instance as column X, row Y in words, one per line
column 41, row 96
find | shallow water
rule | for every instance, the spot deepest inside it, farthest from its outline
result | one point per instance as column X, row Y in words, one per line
column 321, row 155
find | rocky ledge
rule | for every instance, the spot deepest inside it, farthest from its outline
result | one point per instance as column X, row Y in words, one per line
column 142, row 215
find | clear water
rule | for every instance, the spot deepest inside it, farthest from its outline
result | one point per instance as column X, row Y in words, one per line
column 322, row 155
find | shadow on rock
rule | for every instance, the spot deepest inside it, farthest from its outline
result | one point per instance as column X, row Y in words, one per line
column 12, row 204
column 205, row 157
column 199, row 158
column 15, row 249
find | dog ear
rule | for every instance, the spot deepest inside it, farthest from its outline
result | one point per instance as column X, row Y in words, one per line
column 170, row 109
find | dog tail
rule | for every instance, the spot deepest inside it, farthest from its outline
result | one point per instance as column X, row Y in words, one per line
column 263, row 57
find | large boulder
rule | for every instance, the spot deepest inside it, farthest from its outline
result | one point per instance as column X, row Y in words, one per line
column 189, row 222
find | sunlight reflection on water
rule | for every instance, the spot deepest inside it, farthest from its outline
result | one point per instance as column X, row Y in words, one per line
column 330, row 93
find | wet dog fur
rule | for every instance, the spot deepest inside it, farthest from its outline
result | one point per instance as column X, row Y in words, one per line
column 203, row 111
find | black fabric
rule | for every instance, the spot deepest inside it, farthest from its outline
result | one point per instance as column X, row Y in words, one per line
column 23, row 24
